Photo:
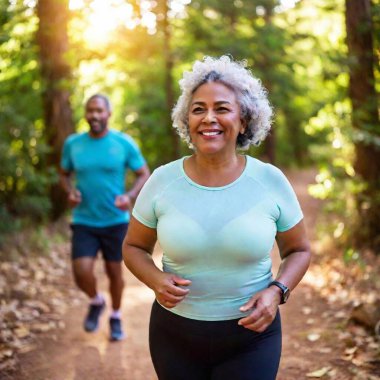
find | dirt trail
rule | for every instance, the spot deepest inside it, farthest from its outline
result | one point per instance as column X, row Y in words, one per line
column 72, row 354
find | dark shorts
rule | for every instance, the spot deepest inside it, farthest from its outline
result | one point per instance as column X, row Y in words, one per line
column 188, row 349
column 88, row 241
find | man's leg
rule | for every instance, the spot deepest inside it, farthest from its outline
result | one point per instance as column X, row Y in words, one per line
column 85, row 245
column 115, row 275
column 111, row 244
column 83, row 270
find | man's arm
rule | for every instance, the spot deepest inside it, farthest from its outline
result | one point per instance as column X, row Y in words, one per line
column 74, row 196
column 142, row 176
column 66, row 180
column 125, row 201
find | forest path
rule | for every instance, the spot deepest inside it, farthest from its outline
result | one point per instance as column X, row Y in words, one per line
column 309, row 343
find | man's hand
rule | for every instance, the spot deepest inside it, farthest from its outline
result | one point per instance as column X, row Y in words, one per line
column 123, row 202
column 74, row 197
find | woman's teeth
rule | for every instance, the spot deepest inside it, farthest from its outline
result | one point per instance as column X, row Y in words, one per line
column 211, row 133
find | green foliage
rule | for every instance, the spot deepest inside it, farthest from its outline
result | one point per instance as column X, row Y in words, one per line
column 305, row 70
column 277, row 43
column 23, row 181
column 337, row 182
column 272, row 40
column 351, row 255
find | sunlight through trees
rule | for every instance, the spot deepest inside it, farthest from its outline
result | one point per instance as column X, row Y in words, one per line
column 135, row 51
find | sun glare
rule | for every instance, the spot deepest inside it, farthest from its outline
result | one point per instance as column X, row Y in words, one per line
column 102, row 17
column 286, row 5
column 106, row 18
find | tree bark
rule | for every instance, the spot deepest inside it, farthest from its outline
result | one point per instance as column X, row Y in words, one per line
column 365, row 119
column 56, row 73
column 169, row 91
column 270, row 142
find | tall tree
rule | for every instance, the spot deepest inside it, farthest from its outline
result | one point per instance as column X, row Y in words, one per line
column 53, row 46
column 266, row 63
column 169, row 90
column 23, row 178
column 365, row 118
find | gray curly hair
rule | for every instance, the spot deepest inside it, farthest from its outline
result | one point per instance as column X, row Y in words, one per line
column 251, row 96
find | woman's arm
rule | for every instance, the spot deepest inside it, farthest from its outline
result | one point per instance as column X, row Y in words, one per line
column 295, row 259
column 138, row 247
column 295, row 255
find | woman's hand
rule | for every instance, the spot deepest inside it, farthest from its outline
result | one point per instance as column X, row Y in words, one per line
column 168, row 289
column 264, row 309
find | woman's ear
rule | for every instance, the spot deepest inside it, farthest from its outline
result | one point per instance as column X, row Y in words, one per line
column 243, row 126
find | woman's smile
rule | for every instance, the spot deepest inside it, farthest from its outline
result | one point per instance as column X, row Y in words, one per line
column 210, row 133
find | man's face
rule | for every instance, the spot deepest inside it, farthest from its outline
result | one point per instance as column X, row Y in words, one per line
column 97, row 115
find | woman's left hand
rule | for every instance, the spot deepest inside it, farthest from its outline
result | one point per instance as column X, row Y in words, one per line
column 264, row 309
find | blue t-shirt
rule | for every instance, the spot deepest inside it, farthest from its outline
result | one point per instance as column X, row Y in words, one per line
column 100, row 166
column 220, row 238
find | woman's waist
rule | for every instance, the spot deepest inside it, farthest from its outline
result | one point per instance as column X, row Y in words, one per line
column 219, row 300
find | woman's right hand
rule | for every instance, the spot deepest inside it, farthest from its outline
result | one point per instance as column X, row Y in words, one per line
column 169, row 291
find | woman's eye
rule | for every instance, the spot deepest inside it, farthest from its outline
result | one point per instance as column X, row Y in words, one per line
column 222, row 109
column 197, row 110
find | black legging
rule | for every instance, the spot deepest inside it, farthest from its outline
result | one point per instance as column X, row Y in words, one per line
column 188, row 349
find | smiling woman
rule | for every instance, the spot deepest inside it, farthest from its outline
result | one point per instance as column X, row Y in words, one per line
column 216, row 215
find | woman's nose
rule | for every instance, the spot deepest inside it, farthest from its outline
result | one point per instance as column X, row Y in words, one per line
column 209, row 117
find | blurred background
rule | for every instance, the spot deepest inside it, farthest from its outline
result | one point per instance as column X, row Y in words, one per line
column 319, row 61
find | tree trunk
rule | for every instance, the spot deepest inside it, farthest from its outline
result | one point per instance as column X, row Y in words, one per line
column 270, row 142
column 365, row 119
column 169, row 91
column 53, row 45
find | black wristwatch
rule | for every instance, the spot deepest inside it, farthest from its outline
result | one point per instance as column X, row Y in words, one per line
column 285, row 291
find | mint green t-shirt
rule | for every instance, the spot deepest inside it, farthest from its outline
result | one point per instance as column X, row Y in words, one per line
column 100, row 166
column 220, row 238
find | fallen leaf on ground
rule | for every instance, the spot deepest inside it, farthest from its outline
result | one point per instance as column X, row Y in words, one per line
column 324, row 350
column 319, row 373
column 42, row 327
column 313, row 337
column 350, row 351
column 27, row 347
column 341, row 314
column 306, row 310
column 22, row 332
column 6, row 353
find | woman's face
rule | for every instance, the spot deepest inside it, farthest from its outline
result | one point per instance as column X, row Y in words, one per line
column 214, row 119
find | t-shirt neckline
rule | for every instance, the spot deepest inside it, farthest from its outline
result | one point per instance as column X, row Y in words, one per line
column 102, row 138
column 216, row 188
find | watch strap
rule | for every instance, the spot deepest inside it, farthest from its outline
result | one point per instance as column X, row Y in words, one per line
column 285, row 291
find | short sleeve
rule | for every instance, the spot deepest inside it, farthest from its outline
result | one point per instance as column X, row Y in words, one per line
column 287, row 202
column 144, row 209
column 66, row 161
column 135, row 159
